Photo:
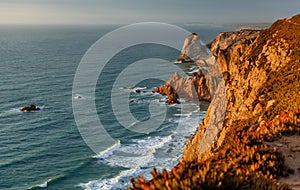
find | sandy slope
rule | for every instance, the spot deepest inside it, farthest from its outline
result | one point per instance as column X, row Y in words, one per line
column 290, row 148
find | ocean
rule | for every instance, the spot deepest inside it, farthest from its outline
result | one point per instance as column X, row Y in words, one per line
column 44, row 149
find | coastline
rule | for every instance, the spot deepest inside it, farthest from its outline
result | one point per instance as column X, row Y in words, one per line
column 238, row 155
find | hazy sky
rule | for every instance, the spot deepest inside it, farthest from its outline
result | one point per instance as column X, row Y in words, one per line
column 131, row 11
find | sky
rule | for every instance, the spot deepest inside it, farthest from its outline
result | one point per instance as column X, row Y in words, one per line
column 132, row 11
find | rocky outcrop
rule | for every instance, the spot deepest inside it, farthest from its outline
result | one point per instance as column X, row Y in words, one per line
column 29, row 108
column 248, row 57
column 198, row 87
column 192, row 89
column 227, row 47
column 168, row 90
column 194, row 51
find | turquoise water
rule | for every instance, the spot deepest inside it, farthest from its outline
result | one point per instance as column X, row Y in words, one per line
column 37, row 66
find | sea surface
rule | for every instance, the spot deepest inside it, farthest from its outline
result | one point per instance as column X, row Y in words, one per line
column 44, row 149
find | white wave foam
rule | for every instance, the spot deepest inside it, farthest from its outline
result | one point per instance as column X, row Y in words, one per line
column 79, row 96
column 183, row 114
column 133, row 89
column 118, row 182
column 109, row 151
column 140, row 88
column 137, row 154
column 44, row 185
column 155, row 142
column 194, row 70
column 10, row 112
column 141, row 155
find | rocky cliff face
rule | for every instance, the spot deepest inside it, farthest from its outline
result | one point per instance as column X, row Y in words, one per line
column 247, row 57
column 210, row 83
column 227, row 47
column 200, row 86
column 249, row 138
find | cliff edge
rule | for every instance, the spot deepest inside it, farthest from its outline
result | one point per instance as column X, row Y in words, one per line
column 250, row 58
column 249, row 138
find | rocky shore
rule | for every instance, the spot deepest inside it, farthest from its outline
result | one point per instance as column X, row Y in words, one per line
column 249, row 138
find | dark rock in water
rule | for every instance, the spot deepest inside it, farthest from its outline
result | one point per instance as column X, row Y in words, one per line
column 138, row 91
column 29, row 108
column 169, row 150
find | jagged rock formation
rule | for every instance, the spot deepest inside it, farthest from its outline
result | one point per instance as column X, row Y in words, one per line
column 193, row 51
column 227, row 47
column 202, row 84
column 193, row 89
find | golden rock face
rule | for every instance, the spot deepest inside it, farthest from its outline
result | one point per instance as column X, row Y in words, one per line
column 263, row 104
column 251, row 58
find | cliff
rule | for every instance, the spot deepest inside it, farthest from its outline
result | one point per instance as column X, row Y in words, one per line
column 227, row 48
column 250, row 57
column 214, row 61
column 249, row 138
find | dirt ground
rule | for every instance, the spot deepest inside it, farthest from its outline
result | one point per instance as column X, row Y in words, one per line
column 290, row 148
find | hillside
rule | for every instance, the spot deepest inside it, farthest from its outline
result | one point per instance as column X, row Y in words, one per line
column 249, row 138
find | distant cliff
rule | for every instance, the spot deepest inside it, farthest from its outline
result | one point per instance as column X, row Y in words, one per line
column 249, row 138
